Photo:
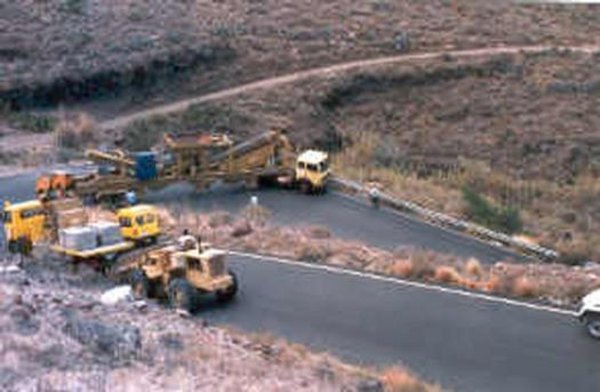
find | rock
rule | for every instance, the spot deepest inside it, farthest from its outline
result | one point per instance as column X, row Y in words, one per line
column 241, row 229
column 10, row 269
column 26, row 324
column 117, row 340
column 116, row 295
column 140, row 305
column 369, row 385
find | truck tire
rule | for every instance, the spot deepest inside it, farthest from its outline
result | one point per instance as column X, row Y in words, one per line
column 181, row 295
column 13, row 247
column 592, row 324
column 305, row 187
column 226, row 295
column 140, row 286
column 24, row 246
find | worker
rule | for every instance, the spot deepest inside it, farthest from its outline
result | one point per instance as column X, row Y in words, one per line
column 186, row 241
column 374, row 196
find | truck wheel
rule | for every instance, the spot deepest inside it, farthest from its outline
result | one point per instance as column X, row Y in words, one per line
column 24, row 246
column 305, row 187
column 13, row 246
column 592, row 323
column 181, row 295
column 226, row 295
column 140, row 286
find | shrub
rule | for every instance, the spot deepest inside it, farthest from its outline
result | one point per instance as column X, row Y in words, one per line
column 525, row 287
column 473, row 267
column 397, row 379
column 485, row 213
column 447, row 274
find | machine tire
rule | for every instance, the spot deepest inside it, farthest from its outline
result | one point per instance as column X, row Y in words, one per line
column 305, row 187
column 13, row 247
column 229, row 293
column 140, row 286
column 24, row 246
column 592, row 324
column 181, row 295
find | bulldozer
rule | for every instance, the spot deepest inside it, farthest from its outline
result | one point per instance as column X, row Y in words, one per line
column 181, row 273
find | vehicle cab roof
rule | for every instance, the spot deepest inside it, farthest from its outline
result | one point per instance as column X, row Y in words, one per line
column 312, row 156
column 138, row 209
column 23, row 205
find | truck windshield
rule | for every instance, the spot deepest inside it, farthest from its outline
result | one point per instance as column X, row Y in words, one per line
column 323, row 166
column 6, row 216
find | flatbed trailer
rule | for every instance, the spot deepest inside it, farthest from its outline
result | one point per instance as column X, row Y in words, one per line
column 99, row 256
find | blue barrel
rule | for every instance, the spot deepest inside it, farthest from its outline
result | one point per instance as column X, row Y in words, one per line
column 145, row 166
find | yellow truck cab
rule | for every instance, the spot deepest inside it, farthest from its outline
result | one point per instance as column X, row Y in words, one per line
column 23, row 225
column 139, row 223
column 312, row 171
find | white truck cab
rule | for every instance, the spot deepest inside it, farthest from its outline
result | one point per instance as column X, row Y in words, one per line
column 589, row 313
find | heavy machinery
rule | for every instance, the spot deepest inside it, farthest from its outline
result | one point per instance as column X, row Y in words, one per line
column 23, row 225
column 200, row 159
column 33, row 222
column 181, row 272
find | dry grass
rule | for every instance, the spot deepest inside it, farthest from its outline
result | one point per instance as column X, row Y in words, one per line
column 397, row 379
column 525, row 287
column 447, row 274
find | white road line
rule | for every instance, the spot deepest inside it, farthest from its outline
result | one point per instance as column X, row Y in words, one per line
column 403, row 282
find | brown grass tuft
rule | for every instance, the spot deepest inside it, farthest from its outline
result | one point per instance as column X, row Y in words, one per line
column 402, row 268
column 473, row 268
column 525, row 287
column 447, row 274
column 397, row 379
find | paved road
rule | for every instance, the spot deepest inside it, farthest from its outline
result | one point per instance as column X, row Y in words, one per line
column 466, row 344
column 345, row 217
column 462, row 342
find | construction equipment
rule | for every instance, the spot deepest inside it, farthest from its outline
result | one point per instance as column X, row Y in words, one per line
column 139, row 223
column 23, row 225
column 181, row 272
column 65, row 225
column 201, row 159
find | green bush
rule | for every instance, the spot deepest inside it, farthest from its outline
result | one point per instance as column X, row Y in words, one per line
column 482, row 211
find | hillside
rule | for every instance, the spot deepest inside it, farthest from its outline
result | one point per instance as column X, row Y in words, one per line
column 65, row 50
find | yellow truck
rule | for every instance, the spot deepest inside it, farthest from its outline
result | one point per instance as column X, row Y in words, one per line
column 32, row 222
column 23, row 225
column 139, row 223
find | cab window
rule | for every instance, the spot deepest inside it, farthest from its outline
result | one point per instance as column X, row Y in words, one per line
column 194, row 264
column 139, row 220
column 7, row 217
column 323, row 166
column 312, row 167
column 26, row 214
column 150, row 218
column 301, row 165
column 124, row 221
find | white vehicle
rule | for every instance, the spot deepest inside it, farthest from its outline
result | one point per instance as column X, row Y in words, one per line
column 589, row 313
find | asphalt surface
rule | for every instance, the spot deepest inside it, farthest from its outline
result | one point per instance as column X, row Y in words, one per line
column 464, row 343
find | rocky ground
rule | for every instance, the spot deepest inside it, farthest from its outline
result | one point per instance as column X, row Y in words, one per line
column 57, row 334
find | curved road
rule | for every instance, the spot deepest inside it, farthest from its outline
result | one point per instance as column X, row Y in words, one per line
column 465, row 342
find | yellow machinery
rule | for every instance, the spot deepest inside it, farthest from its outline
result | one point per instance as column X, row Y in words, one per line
column 312, row 171
column 200, row 159
column 23, row 225
column 139, row 223
column 181, row 272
